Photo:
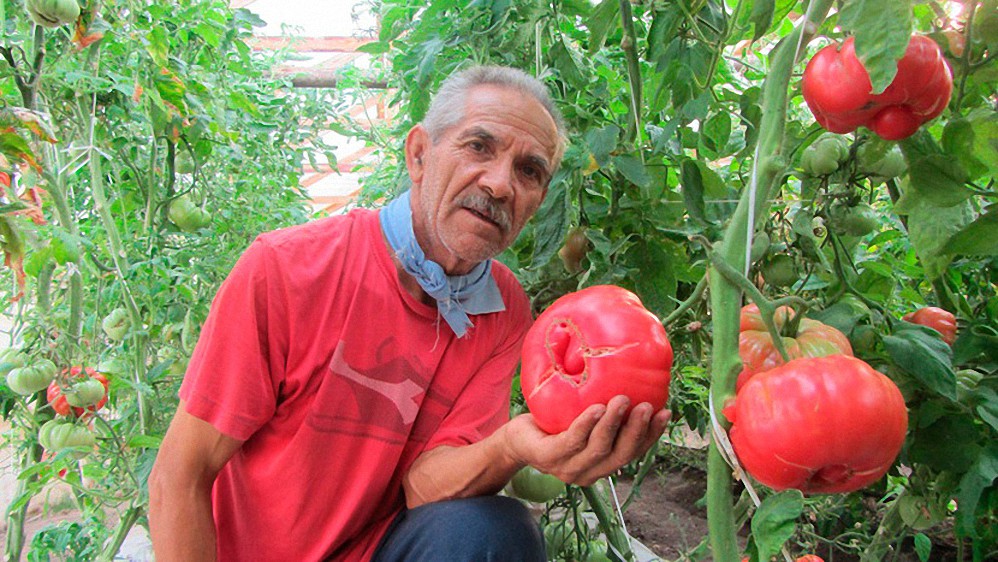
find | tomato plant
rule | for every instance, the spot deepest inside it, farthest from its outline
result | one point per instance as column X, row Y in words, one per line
column 940, row 320
column 838, row 90
column 86, row 391
column 820, row 425
column 588, row 347
column 759, row 353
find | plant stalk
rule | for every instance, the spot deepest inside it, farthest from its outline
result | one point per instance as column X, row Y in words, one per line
column 726, row 296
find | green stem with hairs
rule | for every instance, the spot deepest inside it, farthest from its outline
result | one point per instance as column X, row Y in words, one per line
column 726, row 295
column 633, row 71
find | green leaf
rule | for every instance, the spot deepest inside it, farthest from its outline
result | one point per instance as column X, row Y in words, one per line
column 692, row 182
column 158, row 45
column 979, row 238
column 604, row 19
column 952, row 442
column 566, row 64
column 632, row 168
column 654, row 278
column 551, row 221
column 972, row 485
column 601, row 142
column 882, row 29
column 716, row 132
column 929, row 229
column 762, row 17
column 921, row 353
column 938, row 179
column 775, row 522
column 923, row 546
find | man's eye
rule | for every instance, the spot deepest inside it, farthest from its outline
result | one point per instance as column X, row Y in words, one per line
column 477, row 146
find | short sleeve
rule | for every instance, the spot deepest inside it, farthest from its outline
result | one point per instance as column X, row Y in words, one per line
column 234, row 375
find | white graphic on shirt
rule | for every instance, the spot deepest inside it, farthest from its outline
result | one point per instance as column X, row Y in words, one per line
column 401, row 394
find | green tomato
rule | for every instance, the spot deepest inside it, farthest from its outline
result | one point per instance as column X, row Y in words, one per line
column 533, row 485
column 11, row 358
column 53, row 13
column 116, row 324
column 824, row 155
column 32, row 378
column 858, row 220
column 779, row 271
column 184, row 163
column 83, row 393
column 58, row 435
column 863, row 339
column 760, row 245
column 881, row 159
column 188, row 216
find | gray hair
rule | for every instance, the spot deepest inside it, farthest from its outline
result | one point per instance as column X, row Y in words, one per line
column 447, row 108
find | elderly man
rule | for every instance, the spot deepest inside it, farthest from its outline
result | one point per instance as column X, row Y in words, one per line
column 348, row 398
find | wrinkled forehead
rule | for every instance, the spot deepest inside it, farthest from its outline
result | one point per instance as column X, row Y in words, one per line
column 509, row 112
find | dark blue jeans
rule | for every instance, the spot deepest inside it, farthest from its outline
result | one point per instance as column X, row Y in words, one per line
column 483, row 529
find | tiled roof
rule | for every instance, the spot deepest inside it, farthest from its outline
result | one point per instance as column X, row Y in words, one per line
column 324, row 36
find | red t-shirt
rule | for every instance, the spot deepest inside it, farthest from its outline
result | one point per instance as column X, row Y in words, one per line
column 337, row 379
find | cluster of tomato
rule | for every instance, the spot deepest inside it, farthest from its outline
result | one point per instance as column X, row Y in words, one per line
column 838, row 90
column 823, row 421
column 74, row 396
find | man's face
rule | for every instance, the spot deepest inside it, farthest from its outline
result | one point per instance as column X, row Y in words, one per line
column 476, row 187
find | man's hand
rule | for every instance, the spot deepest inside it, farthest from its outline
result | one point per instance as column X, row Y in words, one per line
column 598, row 443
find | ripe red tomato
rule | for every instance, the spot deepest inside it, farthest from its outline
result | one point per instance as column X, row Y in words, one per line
column 821, row 425
column 837, row 89
column 758, row 353
column 938, row 319
column 58, row 401
column 588, row 347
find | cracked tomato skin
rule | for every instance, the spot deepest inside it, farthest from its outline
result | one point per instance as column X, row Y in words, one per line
column 758, row 354
column 821, row 425
column 588, row 347
column 939, row 319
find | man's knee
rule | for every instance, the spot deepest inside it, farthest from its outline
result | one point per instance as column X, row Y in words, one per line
column 485, row 528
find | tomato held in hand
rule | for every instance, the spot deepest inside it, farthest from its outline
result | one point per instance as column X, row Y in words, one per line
column 758, row 353
column 838, row 91
column 588, row 347
column 821, row 425
column 938, row 319
column 80, row 391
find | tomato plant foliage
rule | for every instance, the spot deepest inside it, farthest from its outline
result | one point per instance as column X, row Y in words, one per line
column 681, row 115
column 674, row 117
column 109, row 114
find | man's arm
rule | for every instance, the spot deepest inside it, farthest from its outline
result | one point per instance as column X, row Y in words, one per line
column 599, row 442
column 180, row 516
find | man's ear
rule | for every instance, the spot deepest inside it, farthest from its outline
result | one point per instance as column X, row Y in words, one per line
column 417, row 145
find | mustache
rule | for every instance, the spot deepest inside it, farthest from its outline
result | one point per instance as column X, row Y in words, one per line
column 488, row 207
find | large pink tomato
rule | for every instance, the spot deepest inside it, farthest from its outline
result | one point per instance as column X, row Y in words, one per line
column 821, row 425
column 588, row 347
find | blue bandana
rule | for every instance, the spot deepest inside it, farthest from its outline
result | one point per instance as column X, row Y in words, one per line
column 457, row 296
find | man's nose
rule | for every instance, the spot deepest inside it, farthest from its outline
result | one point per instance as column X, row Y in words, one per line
column 497, row 179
